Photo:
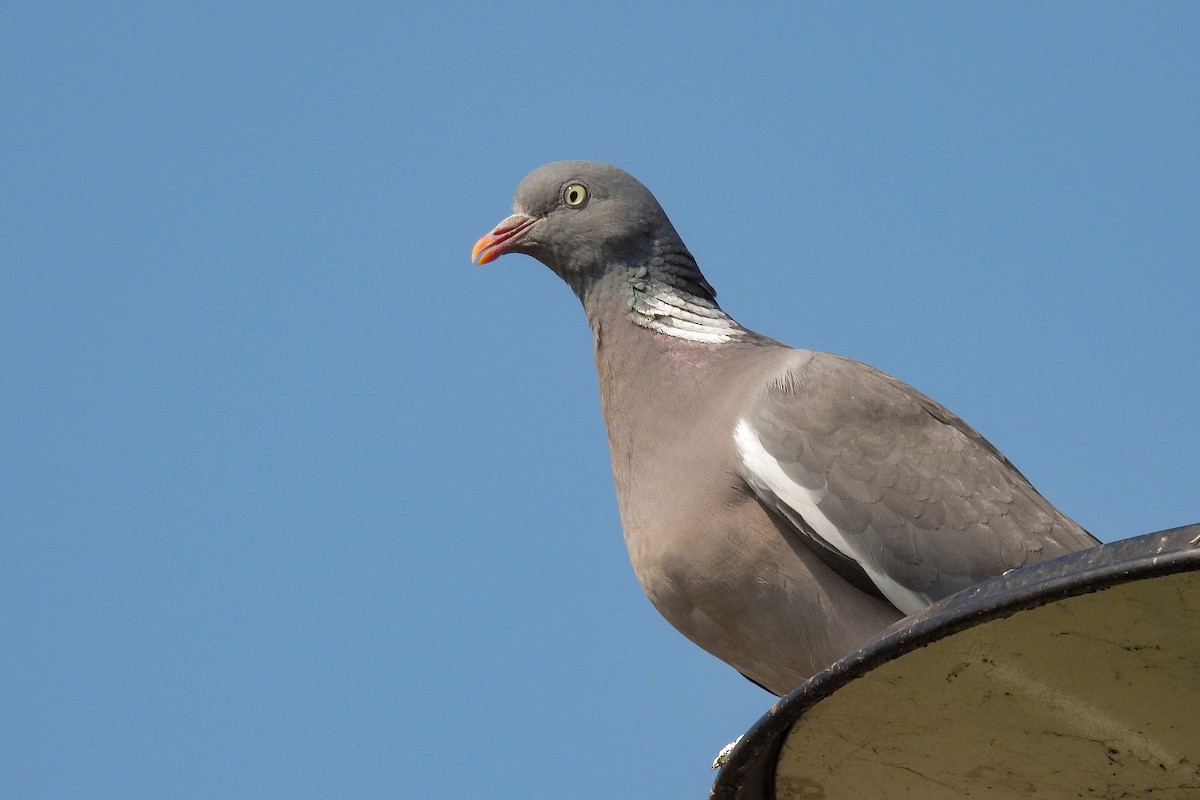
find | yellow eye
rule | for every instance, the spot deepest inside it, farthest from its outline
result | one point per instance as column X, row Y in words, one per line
column 575, row 195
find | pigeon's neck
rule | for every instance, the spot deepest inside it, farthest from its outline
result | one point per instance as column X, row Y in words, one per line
column 667, row 294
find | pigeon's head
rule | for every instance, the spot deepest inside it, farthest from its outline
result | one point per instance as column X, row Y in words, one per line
column 581, row 219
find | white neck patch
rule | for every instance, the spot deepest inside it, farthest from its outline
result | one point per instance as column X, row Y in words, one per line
column 666, row 310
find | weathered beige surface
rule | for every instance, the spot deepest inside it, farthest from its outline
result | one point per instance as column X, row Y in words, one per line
column 1096, row 696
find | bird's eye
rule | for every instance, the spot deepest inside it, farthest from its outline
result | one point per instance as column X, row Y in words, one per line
column 575, row 195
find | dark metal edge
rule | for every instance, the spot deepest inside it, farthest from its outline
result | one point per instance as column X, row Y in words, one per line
column 749, row 770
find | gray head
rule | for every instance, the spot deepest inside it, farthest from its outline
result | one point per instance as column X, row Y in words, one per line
column 586, row 220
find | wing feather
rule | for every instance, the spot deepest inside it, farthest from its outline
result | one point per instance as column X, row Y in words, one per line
column 876, row 473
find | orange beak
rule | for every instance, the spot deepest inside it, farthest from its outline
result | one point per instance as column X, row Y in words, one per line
column 502, row 238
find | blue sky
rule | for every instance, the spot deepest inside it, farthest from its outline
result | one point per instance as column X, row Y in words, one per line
column 298, row 504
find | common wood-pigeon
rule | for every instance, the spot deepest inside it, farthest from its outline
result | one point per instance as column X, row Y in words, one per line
column 781, row 507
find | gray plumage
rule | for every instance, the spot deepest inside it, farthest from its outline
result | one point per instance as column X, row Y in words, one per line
column 781, row 507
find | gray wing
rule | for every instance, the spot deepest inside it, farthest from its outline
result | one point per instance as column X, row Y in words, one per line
column 889, row 486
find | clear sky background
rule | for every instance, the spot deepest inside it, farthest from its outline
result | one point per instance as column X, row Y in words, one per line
column 296, row 503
